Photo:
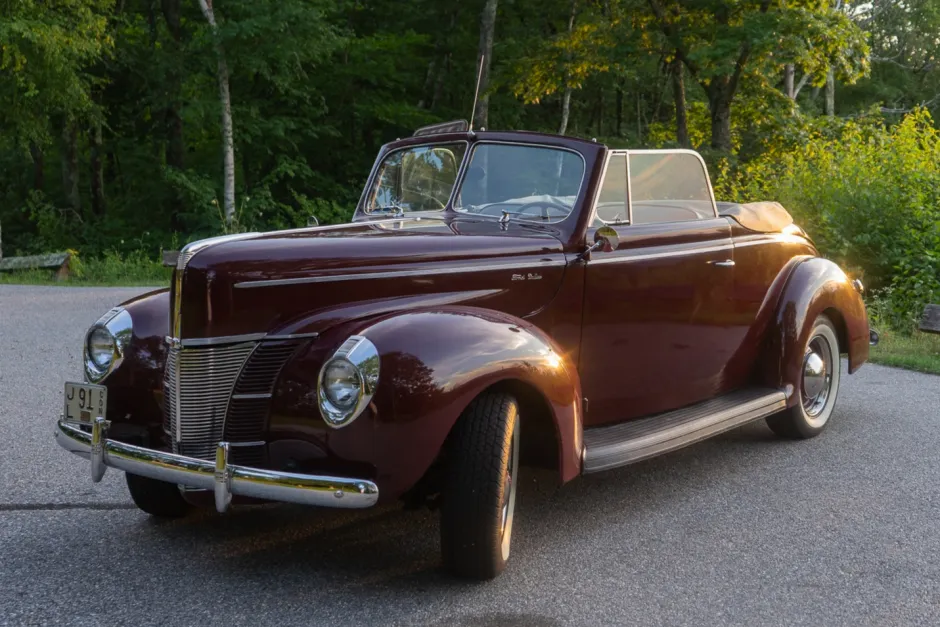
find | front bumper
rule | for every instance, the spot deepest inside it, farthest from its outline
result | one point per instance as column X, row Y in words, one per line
column 222, row 478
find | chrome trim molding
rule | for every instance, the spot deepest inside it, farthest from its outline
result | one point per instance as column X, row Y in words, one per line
column 222, row 339
column 362, row 354
column 628, row 442
column 223, row 478
column 388, row 274
column 290, row 336
column 117, row 321
column 633, row 256
column 237, row 397
column 189, row 251
column 235, row 339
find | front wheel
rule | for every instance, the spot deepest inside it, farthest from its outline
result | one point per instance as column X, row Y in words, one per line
column 818, row 388
column 157, row 498
column 480, row 488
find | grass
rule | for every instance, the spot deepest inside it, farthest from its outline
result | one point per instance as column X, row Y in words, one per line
column 112, row 269
column 920, row 351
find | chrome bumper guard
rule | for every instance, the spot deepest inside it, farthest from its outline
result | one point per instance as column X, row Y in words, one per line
column 222, row 478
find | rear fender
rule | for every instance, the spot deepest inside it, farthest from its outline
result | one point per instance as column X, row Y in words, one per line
column 815, row 286
column 434, row 362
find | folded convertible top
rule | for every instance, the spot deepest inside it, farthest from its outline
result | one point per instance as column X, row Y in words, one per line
column 762, row 217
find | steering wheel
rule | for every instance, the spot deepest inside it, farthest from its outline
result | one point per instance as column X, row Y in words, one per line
column 562, row 210
column 427, row 196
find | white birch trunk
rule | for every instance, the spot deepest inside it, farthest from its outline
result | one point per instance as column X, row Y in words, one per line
column 566, row 98
column 228, row 134
column 789, row 73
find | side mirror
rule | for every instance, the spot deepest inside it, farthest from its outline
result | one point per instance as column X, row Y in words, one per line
column 312, row 221
column 606, row 239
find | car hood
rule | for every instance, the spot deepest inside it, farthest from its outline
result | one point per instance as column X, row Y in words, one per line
column 308, row 279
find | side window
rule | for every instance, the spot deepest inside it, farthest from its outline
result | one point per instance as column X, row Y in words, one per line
column 668, row 187
column 612, row 201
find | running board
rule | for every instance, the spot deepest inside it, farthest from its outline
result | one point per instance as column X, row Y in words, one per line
column 628, row 442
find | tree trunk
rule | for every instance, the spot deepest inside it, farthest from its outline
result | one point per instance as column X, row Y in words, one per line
column 566, row 98
column 174, row 123
column 620, row 109
column 437, row 67
column 70, row 166
column 39, row 166
column 678, row 95
column 565, row 111
column 228, row 136
column 174, row 153
column 97, row 170
column 830, row 93
column 439, row 83
column 789, row 72
column 719, row 106
column 485, row 53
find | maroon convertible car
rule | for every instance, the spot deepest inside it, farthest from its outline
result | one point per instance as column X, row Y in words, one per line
column 499, row 298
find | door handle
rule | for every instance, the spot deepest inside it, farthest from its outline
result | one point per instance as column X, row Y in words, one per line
column 727, row 263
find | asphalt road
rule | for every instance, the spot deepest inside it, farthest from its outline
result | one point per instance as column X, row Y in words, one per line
column 744, row 529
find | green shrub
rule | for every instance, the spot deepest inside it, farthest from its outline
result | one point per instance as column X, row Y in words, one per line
column 869, row 197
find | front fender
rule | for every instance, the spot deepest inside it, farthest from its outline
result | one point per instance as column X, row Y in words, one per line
column 135, row 388
column 815, row 286
column 435, row 362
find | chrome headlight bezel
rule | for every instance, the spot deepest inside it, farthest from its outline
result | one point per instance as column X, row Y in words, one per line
column 118, row 324
column 362, row 355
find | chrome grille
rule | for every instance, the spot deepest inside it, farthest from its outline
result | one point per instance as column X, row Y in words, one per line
column 247, row 418
column 198, row 384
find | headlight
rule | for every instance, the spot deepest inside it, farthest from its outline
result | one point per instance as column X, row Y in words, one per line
column 347, row 381
column 105, row 344
column 101, row 347
column 342, row 384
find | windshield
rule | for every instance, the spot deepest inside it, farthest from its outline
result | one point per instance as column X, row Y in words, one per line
column 526, row 182
column 420, row 178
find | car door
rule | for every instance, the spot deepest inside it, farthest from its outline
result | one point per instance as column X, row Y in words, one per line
column 655, row 309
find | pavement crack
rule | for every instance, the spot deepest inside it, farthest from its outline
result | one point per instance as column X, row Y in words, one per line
column 51, row 507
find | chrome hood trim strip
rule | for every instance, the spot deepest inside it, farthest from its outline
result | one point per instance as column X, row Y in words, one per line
column 390, row 274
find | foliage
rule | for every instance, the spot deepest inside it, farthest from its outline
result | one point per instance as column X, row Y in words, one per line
column 110, row 139
column 46, row 49
column 870, row 198
column 112, row 268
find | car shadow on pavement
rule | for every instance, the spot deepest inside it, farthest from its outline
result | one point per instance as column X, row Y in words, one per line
column 392, row 547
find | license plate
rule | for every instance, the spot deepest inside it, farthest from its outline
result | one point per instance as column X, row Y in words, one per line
column 84, row 402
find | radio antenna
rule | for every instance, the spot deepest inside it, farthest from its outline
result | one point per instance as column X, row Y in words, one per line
column 476, row 93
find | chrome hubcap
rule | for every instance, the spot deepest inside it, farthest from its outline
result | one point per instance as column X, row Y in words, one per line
column 817, row 376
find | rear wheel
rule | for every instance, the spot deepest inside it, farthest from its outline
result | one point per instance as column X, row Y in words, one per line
column 480, row 488
column 818, row 387
column 157, row 498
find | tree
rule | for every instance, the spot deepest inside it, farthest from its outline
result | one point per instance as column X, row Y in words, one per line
column 225, row 99
column 719, row 41
column 484, row 60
